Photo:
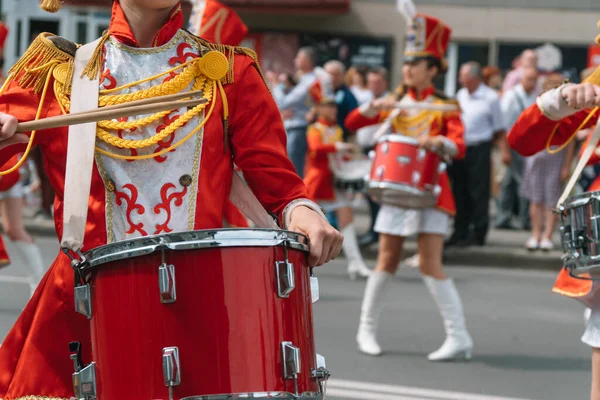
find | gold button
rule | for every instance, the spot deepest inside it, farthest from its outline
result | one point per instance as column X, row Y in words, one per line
column 185, row 180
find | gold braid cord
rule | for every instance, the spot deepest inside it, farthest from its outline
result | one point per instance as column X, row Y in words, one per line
column 44, row 62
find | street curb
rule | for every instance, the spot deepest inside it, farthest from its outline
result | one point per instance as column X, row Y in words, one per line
column 482, row 257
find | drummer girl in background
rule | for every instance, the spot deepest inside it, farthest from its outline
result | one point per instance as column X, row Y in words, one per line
column 325, row 139
column 554, row 121
column 427, row 41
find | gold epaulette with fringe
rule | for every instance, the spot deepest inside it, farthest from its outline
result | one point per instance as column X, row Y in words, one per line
column 43, row 56
column 230, row 52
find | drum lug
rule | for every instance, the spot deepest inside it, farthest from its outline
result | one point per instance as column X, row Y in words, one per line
column 380, row 171
column 442, row 168
column 372, row 154
column 437, row 190
column 404, row 160
column 285, row 278
column 83, row 300
column 385, row 147
column 84, row 378
column 171, row 368
column 321, row 374
column 314, row 289
column 416, row 177
column 421, row 154
column 166, row 283
column 290, row 355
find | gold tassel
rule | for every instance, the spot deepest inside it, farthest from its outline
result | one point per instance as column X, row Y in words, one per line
column 38, row 61
column 94, row 66
column 51, row 5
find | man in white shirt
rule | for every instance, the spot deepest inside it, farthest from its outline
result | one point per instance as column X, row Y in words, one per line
column 513, row 103
column 484, row 125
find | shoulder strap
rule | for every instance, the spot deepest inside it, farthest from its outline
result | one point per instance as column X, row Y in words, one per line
column 80, row 152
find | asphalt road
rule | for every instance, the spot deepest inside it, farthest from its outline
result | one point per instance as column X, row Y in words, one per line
column 526, row 338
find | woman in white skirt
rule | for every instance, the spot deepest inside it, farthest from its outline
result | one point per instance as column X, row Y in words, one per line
column 325, row 140
column 12, row 192
column 437, row 131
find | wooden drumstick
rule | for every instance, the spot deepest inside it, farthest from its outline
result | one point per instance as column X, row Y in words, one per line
column 108, row 113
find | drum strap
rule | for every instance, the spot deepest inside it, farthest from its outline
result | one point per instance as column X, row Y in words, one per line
column 80, row 152
column 581, row 164
column 242, row 197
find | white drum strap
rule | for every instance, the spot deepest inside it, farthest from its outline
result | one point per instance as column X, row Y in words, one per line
column 80, row 152
column 581, row 164
column 243, row 198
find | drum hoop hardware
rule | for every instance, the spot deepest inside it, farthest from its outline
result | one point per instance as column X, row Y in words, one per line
column 84, row 377
column 171, row 368
column 284, row 271
column 290, row 355
column 166, row 277
column 191, row 240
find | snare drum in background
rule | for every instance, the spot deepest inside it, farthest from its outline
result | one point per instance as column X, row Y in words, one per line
column 404, row 175
column 580, row 233
column 219, row 315
column 349, row 172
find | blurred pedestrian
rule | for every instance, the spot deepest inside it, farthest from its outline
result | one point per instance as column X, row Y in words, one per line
column 356, row 80
column 528, row 58
column 492, row 77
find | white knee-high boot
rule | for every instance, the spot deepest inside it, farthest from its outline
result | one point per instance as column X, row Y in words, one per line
column 458, row 343
column 356, row 263
column 34, row 261
column 371, row 311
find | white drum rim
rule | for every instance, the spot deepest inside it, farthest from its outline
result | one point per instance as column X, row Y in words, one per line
column 579, row 200
column 195, row 240
column 398, row 138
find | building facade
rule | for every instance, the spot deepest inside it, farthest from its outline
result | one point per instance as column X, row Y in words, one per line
column 366, row 32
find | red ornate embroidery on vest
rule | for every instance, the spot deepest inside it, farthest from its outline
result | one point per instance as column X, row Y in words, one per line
column 107, row 76
column 168, row 141
column 176, row 198
column 131, row 206
column 182, row 57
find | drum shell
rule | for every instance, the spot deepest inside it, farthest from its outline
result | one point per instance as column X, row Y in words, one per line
column 580, row 233
column 227, row 322
column 404, row 175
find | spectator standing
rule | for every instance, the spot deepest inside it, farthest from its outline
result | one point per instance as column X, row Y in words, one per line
column 356, row 80
column 484, row 125
column 513, row 103
column 344, row 98
column 296, row 104
column 544, row 175
column 527, row 59
column 492, row 77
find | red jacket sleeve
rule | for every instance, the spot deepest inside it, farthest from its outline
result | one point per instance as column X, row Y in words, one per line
column 355, row 120
column 530, row 133
column 315, row 143
column 455, row 131
column 23, row 104
column 259, row 142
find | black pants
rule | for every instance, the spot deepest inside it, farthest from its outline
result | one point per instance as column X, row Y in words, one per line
column 471, row 188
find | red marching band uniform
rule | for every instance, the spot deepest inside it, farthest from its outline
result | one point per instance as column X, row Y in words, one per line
column 550, row 122
column 217, row 23
column 148, row 187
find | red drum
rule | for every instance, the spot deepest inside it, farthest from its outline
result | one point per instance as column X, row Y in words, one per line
column 404, row 175
column 219, row 315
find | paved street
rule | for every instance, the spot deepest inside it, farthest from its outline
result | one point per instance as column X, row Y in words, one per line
column 527, row 339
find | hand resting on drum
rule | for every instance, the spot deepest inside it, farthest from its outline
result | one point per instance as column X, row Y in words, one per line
column 325, row 241
column 432, row 143
column 8, row 127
